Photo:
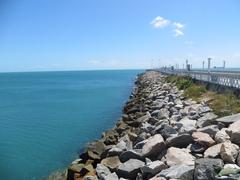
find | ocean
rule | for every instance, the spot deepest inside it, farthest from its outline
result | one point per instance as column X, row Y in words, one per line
column 46, row 118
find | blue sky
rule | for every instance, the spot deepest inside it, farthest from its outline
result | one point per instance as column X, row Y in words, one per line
column 38, row 35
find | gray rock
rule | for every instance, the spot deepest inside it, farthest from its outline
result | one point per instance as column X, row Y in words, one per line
column 112, row 176
column 211, row 130
column 180, row 141
column 234, row 131
column 206, row 120
column 102, row 171
column 168, row 131
column 144, row 118
column 115, row 151
column 153, row 167
column 163, row 113
column 213, row 152
column 153, row 146
column 222, row 136
column 130, row 169
column 229, row 152
column 207, row 168
column 177, row 156
column 130, row 154
column 183, row 172
column 186, row 125
column 227, row 120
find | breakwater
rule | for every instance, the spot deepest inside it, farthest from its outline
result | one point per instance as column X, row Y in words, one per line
column 162, row 135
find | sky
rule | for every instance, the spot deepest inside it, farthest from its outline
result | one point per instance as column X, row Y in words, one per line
column 46, row 35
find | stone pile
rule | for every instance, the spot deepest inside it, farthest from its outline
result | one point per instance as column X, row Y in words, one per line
column 161, row 135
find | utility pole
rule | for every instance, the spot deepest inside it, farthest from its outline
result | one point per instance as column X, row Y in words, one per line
column 209, row 69
column 224, row 64
column 209, row 65
column 186, row 63
column 203, row 63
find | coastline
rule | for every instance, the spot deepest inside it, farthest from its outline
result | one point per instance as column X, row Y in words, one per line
column 161, row 135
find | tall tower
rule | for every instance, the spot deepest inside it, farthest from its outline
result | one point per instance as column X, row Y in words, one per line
column 209, row 64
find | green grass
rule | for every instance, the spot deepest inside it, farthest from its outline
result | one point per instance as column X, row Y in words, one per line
column 223, row 104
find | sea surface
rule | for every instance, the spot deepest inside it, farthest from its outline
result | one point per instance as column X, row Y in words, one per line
column 46, row 118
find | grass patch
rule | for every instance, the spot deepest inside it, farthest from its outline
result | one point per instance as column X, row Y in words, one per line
column 223, row 104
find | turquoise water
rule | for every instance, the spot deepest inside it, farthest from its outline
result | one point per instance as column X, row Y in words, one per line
column 47, row 117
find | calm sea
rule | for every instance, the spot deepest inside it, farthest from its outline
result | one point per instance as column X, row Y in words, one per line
column 47, row 117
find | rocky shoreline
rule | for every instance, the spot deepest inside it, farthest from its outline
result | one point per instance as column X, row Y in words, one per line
column 161, row 135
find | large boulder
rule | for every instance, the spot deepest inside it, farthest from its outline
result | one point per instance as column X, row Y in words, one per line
column 153, row 146
column 130, row 168
column 186, row 125
column 95, row 151
column 211, row 130
column 207, row 168
column 227, row 120
column 234, row 131
column 203, row 139
column 229, row 152
column 111, row 162
column 110, row 137
column 130, row 154
column 176, row 156
column 222, row 136
column 206, row 120
column 153, row 168
column 102, row 171
column 213, row 151
column 183, row 172
column 180, row 141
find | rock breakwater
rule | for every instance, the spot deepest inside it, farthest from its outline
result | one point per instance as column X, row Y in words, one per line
column 161, row 135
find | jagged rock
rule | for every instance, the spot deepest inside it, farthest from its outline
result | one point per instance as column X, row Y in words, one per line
column 227, row 120
column 153, row 168
column 176, row 156
column 234, row 131
column 206, row 120
column 102, row 171
column 168, row 131
column 183, row 172
column 115, row 151
column 186, row 125
column 153, row 146
column 130, row 169
column 230, row 169
column 163, row 113
column 144, row 118
column 180, row 141
column 221, row 136
column 211, row 130
column 229, row 152
column 196, row 148
column 146, row 127
column 207, row 168
column 213, row 152
column 125, row 143
column 203, row 139
column 111, row 162
column 94, row 151
column 112, row 176
column 130, row 154
column 238, row 159
column 110, row 137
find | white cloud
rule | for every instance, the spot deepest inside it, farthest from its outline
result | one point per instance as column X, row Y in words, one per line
column 178, row 25
column 160, row 22
column 178, row 32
